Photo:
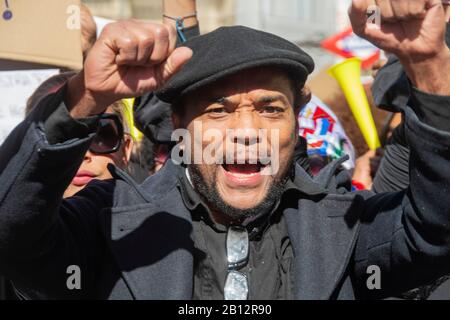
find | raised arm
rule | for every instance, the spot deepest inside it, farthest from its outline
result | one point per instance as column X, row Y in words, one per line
column 41, row 234
column 407, row 234
column 153, row 116
column 184, row 9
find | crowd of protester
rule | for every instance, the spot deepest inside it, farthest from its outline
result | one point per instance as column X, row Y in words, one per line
column 391, row 203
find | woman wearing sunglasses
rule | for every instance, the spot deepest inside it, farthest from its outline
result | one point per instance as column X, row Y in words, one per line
column 111, row 145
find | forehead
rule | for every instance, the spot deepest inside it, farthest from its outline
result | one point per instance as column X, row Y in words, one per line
column 247, row 81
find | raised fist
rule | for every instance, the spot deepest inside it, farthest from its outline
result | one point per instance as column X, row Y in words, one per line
column 129, row 58
column 409, row 28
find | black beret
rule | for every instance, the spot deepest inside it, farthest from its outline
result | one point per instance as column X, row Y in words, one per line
column 228, row 50
column 153, row 117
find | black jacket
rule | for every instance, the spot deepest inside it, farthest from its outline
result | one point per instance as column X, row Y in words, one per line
column 135, row 242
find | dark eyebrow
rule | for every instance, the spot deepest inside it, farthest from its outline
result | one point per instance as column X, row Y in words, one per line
column 270, row 99
column 221, row 100
column 263, row 99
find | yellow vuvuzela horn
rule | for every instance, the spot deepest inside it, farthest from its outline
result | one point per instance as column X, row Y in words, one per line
column 348, row 75
column 129, row 118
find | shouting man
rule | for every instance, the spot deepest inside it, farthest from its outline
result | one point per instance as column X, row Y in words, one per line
column 228, row 223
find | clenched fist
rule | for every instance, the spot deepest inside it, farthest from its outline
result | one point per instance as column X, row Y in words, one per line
column 129, row 58
column 409, row 28
column 414, row 30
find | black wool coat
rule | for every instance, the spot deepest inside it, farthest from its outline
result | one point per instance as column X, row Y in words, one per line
column 135, row 241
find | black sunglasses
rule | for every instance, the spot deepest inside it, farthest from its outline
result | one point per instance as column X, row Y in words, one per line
column 109, row 136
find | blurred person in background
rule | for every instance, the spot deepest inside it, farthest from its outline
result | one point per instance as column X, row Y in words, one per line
column 326, row 138
column 88, row 30
column 326, row 141
column 112, row 144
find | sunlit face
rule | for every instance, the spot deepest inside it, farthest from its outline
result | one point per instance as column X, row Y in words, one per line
column 254, row 99
column 95, row 166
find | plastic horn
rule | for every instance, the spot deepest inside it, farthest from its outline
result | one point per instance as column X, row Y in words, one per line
column 129, row 117
column 348, row 75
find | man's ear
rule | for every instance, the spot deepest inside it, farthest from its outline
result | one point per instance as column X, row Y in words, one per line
column 176, row 121
column 305, row 98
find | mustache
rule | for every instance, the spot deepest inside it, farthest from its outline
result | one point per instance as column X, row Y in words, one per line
column 208, row 191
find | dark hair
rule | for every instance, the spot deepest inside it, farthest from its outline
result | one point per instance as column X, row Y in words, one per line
column 54, row 83
column 302, row 95
column 50, row 85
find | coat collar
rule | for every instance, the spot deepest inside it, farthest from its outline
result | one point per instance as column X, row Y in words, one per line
column 150, row 236
column 322, row 228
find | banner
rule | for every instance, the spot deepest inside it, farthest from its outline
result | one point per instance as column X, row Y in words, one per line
column 41, row 31
column 15, row 89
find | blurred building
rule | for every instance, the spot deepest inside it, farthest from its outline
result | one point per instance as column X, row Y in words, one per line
column 212, row 13
column 305, row 22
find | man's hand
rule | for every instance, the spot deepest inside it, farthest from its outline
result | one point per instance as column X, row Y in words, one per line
column 366, row 167
column 408, row 27
column 414, row 30
column 129, row 59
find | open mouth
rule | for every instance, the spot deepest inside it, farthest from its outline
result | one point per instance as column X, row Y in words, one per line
column 244, row 169
column 244, row 175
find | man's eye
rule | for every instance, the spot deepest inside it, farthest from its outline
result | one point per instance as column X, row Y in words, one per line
column 216, row 110
column 271, row 109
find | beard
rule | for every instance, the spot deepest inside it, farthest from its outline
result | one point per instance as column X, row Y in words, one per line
column 211, row 195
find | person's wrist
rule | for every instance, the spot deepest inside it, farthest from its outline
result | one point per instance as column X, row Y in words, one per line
column 188, row 21
column 180, row 9
column 79, row 100
column 429, row 74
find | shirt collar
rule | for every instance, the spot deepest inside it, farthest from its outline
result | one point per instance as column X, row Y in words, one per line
column 190, row 197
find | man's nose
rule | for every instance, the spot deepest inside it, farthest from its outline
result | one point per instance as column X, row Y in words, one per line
column 245, row 129
column 246, row 136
